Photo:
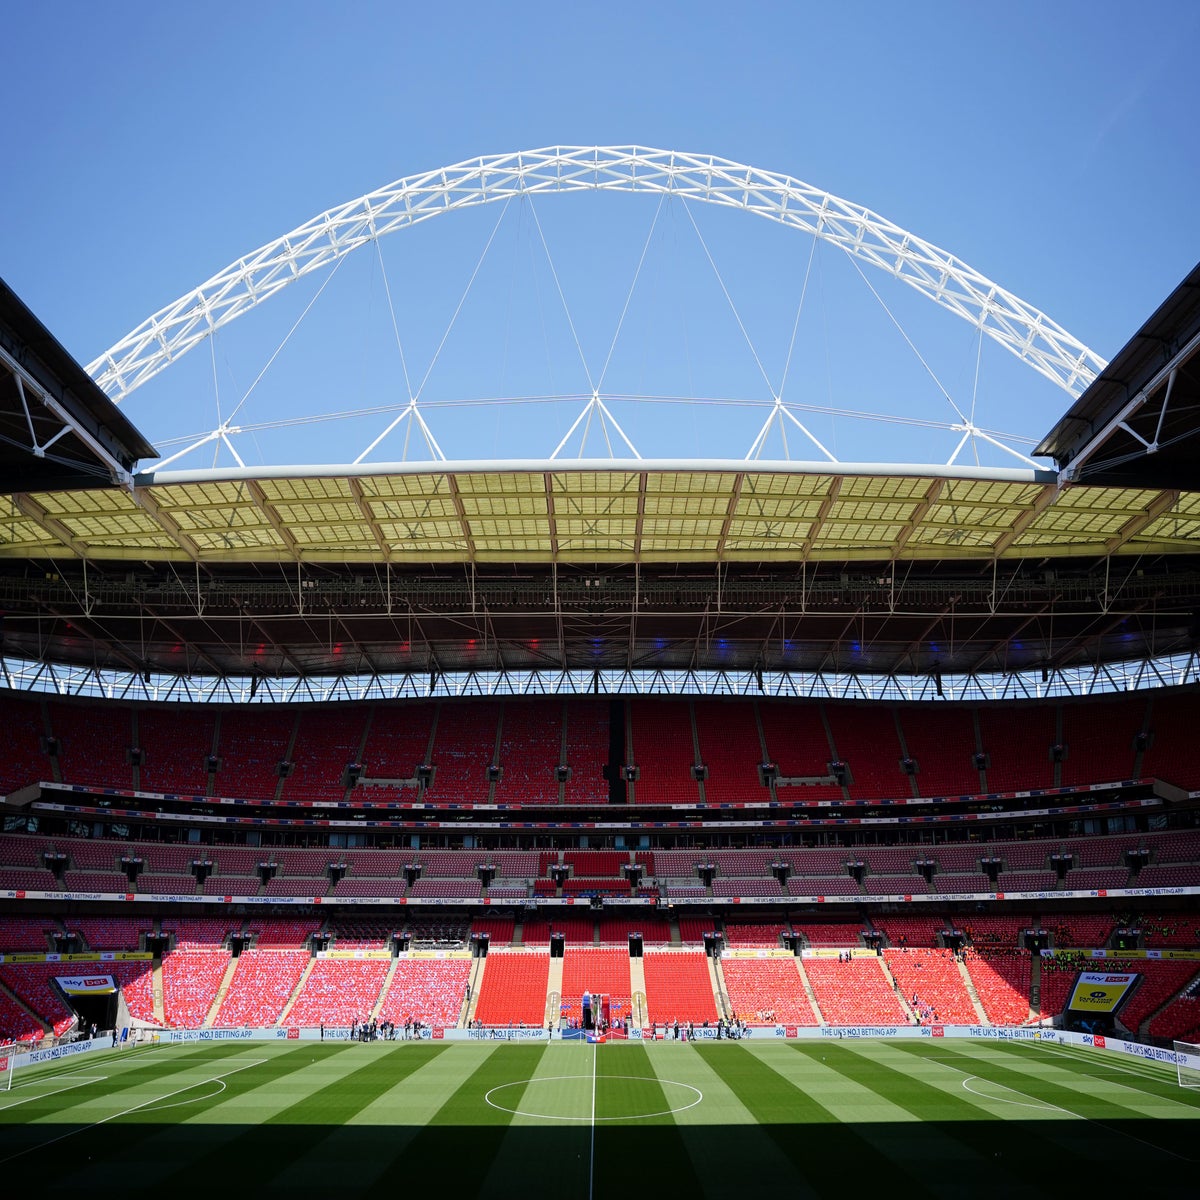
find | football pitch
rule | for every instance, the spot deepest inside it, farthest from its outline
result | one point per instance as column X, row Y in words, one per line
column 712, row 1119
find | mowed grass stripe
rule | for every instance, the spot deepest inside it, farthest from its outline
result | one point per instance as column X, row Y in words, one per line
column 83, row 1130
column 549, row 1134
column 1103, row 1131
column 642, row 1130
column 826, row 1153
column 348, row 1156
column 456, row 1147
column 720, row 1134
column 1159, row 1092
column 951, row 1132
column 274, row 1113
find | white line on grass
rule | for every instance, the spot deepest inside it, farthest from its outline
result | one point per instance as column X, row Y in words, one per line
column 126, row 1111
column 592, row 1154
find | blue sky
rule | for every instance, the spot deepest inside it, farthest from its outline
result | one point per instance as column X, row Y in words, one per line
column 1052, row 147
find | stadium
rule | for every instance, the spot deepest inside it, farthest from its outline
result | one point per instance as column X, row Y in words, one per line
column 530, row 824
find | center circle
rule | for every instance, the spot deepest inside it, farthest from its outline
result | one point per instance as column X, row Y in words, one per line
column 688, row 1097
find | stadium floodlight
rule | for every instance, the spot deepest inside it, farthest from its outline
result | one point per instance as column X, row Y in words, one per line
column 1187, row 1064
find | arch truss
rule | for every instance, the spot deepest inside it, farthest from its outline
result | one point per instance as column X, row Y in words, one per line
column 319, row 244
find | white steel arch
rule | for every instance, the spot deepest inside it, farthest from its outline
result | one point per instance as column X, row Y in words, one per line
column 1022, row 329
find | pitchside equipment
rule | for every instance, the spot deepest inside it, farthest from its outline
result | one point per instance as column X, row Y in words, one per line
column 1187, row 1064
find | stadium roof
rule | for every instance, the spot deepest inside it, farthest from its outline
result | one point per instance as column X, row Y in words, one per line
column 611, row 564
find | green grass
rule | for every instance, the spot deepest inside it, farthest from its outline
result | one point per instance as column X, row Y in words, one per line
column 767, row 1118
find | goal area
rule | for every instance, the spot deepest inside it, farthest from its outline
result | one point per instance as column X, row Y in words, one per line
column 1187, row 1064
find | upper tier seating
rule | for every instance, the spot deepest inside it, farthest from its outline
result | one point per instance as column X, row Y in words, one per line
column 327, row 740
column 1174, row 751
column 23, row 761
column 940, row 739
column 797, row 743
column 731, row 749
column 463, row 750
column 1017, row 740
column 252, row 744
column 587, row 737
column 94, row 741
column 1098, row 734
column 867, row 740
column 663, row 751
column 530, row 750
column 175, row 741
column 398, row 741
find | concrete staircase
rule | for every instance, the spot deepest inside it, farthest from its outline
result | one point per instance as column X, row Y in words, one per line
column 808, row 991
column 554, row 981
column 969, row 984
column 637, row 991
column 219, row 998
